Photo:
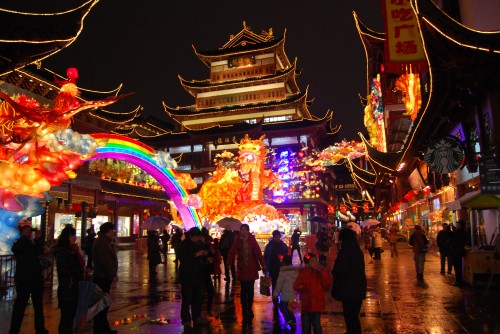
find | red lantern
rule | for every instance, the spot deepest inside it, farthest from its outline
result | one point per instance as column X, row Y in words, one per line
column 354, row 208
column 343, row 208
column 76, row 207
column 366, row 207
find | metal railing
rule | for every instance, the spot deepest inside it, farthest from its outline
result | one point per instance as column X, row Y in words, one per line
column 7, row 270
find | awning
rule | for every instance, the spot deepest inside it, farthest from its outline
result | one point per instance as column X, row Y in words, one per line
column 453, row 206
column 477, row 200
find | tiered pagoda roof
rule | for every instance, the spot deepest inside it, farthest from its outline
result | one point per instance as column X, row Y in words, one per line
column 207, row 119
column 288, row 75
column 247, row 41
column 180, row 114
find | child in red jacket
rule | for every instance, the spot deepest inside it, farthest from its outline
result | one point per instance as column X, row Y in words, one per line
column 311, row 283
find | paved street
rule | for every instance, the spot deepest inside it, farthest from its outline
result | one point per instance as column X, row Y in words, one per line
column 396, row 303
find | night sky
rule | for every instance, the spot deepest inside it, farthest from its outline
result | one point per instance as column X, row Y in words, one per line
column 146, row 44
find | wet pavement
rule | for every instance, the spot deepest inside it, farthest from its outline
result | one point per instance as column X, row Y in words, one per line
column 396, row 302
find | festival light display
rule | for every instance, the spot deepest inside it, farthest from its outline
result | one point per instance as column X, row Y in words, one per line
column 236, row 189
column 157, row 165
column 337, row 153
column 409, row 84
column 38, row 150
column 298, row 173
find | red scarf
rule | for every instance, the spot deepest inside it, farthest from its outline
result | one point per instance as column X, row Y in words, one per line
column 74, row 248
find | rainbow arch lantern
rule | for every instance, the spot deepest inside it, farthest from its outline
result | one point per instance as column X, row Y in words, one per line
column 144, row 157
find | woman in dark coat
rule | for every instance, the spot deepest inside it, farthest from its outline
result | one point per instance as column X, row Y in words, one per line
column 69, row 273
column 349, row 279
column 154, row 251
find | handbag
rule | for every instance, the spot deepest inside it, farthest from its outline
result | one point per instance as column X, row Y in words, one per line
column 293, row 305
column 336, row 291
column 265, row 285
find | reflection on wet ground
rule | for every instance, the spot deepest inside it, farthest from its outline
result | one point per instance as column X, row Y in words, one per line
column 396, row 302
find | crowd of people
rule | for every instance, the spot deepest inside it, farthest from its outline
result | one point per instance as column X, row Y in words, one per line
column 201, row 259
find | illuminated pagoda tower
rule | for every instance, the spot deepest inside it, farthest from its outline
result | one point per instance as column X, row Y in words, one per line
column 251, row 89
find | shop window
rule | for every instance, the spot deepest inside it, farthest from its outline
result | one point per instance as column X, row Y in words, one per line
column 123, row 226
column 63, row 219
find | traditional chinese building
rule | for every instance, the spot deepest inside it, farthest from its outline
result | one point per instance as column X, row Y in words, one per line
column 252, row 89
column 449, row 106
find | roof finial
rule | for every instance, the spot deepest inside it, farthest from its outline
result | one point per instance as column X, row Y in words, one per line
column 244, row 25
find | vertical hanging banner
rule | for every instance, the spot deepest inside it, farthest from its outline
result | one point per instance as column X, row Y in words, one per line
column 404, row 51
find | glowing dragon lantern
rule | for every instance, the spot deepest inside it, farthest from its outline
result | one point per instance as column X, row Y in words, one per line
column 251, row 159
column 38, row 150
column 219, row 192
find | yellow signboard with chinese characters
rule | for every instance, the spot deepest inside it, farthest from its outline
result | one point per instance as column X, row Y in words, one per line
column 404, row 49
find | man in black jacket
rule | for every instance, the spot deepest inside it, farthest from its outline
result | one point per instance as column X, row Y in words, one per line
column 29, row 280
column 226, row 242
column 457, row 250
column 443, row 242
column 191, row 257
column 349, row 279
column 105, row 272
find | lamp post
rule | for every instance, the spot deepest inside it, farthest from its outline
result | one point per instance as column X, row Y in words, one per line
column 84, row 220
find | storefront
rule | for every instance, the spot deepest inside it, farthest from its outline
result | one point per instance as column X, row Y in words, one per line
column 480, row 265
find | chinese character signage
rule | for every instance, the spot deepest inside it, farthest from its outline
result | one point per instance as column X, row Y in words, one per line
column 240, row 61
column 404, row 50
column 226, row 140
column 489, row 171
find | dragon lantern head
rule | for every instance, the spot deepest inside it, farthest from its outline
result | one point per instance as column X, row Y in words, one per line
column 252, row 154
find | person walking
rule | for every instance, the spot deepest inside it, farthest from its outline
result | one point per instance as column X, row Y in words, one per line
column 322, row 245
column 208, row 268
column 457, row 250
column 349, row 279
column 215, row 250
column 226, row 242
column 443, row 239
column 283, row 292
column 368, row 239
column 393, row 239
column 175, row 242
column 105, row 272
column 311, row 283
column 274, row 252
column 154, row 251
column 295, row 241
column 419, row 242
column 70, row 271
column 249, row 261
column 28, row 279
column 88, row 244
column 192, row 261
column 377, row 243
column 165, row 238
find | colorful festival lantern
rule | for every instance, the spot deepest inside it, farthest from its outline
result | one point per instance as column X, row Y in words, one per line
column 236, row 189
column 38, row 151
